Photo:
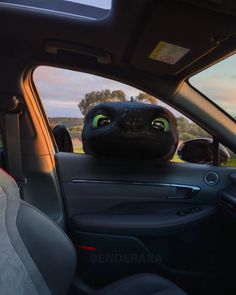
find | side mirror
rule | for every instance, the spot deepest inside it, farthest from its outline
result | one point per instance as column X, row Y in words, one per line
column 63, row 139
column 200, row 151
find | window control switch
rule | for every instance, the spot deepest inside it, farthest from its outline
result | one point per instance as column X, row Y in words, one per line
column 187, row 211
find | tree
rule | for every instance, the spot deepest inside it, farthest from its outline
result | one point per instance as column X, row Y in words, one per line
column 118, row 95
column 95, row 97
column 145, row 97
column 182, row 124
column 189, row 130
column 186, row 136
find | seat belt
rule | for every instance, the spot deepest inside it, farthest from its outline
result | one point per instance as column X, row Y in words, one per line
column 13, row 149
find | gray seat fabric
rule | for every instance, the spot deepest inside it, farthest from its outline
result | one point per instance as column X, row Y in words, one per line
column 37, row 258
column 49, row 247
column 143, row 284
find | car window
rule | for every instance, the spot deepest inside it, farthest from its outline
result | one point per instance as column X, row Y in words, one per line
column 68, row 95
column 232, row 160
column 82, row 9
column 218, row 84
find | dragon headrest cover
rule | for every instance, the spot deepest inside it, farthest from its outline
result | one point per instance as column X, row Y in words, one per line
column 131, row 130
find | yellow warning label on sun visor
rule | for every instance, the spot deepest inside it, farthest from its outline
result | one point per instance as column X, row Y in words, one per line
column 168, row 53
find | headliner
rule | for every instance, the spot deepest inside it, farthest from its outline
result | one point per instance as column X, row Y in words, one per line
column 127, row 36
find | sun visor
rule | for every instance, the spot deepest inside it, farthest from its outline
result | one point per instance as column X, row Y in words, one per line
column 179, row 36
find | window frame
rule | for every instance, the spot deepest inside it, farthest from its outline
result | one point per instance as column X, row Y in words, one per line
column 140, row 89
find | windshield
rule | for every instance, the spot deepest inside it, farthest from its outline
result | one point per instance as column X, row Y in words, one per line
column 105, row 4
column 218, row 83
column 89, row 9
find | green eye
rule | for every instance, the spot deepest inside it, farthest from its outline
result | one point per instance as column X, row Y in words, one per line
column 100, row 121
column 161, row 124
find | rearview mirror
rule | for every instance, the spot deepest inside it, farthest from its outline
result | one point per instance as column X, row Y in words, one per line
column 201, row 151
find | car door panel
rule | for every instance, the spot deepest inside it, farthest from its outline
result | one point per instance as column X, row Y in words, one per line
column 177, row 257
column 161, row 223
column 124, row 208
column 87, row 177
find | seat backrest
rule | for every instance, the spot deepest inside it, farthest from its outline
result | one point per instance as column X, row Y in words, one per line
column 36, row 255
column 63, row 139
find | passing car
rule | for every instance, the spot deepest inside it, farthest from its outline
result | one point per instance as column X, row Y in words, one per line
column 72, row 222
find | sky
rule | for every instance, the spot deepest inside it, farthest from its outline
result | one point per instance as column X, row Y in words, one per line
column 106, row 4
column 219, row 84
column 61, row 90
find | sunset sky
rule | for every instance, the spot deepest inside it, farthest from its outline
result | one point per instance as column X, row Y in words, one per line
column 61, row 90
column 219, row 84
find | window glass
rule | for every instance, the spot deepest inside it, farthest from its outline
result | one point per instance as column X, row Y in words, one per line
column 218, row 84
column 68, row 95
column 83, row 9
column 105, row 4
column 232, row 160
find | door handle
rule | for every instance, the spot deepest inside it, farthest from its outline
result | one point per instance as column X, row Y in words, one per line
column 182, row 191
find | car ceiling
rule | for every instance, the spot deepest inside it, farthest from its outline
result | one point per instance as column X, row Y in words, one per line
column 209, row 33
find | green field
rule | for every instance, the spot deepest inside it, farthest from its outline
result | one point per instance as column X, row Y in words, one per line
column 231, row 163
column 78, row 150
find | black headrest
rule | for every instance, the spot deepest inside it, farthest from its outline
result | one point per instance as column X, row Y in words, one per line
column 130, row 129
column 63, row 139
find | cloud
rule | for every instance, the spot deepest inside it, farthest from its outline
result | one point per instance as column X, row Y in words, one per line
column 60, row 89
column 221, row 89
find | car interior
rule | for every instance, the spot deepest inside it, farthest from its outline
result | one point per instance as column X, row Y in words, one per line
column 122, row 217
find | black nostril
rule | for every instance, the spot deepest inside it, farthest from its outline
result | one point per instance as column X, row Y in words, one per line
column 131, row 125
